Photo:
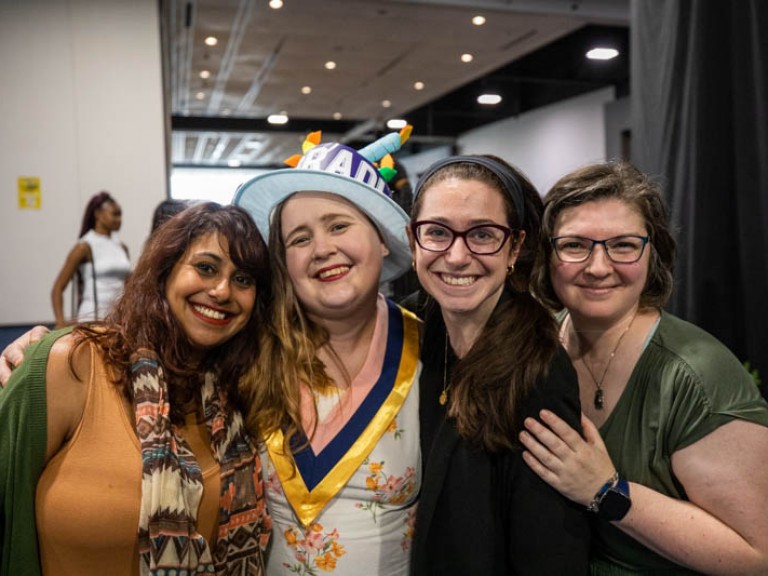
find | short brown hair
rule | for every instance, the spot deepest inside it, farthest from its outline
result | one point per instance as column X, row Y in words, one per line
column 622, row 181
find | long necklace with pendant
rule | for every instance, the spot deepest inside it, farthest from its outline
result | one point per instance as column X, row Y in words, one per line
column 599, row 400
column 444, row 394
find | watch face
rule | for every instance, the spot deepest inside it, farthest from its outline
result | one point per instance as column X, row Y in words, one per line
column 614, row 505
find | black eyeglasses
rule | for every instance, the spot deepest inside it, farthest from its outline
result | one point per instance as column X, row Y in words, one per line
column 620, row 249
column 482, row 240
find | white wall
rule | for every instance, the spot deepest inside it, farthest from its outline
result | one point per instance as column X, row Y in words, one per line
column 82, row 109
column 215, row 184
column 68, row 118
column 547, row 142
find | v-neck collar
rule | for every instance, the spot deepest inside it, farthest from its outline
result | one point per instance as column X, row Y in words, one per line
column 317, row 478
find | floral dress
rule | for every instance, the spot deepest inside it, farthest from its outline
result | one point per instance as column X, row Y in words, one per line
column 349, row 508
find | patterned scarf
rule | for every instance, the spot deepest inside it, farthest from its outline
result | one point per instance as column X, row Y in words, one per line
column 172, row 485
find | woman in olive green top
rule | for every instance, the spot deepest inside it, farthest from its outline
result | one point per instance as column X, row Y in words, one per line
column 676, row 433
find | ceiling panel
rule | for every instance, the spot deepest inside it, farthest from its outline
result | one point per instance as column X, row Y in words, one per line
column 265, row 56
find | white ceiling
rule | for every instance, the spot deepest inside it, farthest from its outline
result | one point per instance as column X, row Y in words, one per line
column 264, row 57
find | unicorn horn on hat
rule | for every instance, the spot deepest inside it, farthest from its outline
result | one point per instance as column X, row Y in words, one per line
column 386, row 144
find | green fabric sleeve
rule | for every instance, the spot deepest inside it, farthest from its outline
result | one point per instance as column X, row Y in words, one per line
column 23, row 438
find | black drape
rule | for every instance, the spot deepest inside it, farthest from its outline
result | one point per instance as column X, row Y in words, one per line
column 700, row 124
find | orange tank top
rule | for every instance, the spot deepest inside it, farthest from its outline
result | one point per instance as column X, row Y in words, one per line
column 89, row 494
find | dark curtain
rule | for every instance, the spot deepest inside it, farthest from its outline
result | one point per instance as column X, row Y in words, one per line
column 699, row 74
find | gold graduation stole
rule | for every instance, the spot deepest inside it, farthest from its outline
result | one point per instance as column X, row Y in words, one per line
column 347, row 452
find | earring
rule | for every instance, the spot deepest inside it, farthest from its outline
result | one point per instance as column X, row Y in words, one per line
column 413, row 265
column 510, row 269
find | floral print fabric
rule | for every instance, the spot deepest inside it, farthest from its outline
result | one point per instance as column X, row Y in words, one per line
column 368, row 525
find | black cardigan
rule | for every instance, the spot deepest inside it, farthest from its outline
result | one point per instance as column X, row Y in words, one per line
column 490, row 514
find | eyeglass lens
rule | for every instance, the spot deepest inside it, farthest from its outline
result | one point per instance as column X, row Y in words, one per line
column 622, row 249
column 485, row 239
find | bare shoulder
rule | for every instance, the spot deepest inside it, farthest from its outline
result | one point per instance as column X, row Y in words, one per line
column 68, row 361
column 81, row 251
column 67, row 375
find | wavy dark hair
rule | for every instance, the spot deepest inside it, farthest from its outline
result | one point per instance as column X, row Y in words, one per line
column 142, row 317
column 488, row 389
column 94, row 204
column 604, row 181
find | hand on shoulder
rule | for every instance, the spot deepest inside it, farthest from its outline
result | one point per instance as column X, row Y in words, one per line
column 13, row 355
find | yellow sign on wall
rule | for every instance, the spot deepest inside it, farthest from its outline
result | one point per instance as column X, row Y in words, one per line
column 29, row 193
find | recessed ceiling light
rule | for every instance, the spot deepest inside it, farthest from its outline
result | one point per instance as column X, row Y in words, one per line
column 211, row 41
column 488, row 99
column 396, row 124
column 200, row 95
column 204, row 74
column 226, row 112
column 478, row 20
column 306, row 89
column 330, row 65
column 277, row 118
column 234, row 163
column 275, row 4
column 467, row 57
column 418, row 85
column 386, row 103
column 602, row 53
column 337, row 115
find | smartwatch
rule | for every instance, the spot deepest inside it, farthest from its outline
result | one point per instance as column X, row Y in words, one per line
column 612, row 501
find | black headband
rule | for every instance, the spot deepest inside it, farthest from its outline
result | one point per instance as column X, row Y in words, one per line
column 503, row 173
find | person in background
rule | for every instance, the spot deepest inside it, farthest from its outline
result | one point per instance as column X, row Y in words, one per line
column 166, row 209
column 122, row 445
column 98, row 260
column 491, row 358
column 672, row 461
column 335, row 392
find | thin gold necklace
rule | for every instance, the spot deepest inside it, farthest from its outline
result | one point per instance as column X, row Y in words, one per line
column 444, row 394
column 599, row 400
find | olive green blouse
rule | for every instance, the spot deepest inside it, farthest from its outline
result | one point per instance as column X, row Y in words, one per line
column 685, row 385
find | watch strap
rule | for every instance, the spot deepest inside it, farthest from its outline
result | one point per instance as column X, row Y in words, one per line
column 594, row 505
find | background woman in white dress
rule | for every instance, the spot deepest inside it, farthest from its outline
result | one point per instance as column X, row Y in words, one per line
column 100, row 261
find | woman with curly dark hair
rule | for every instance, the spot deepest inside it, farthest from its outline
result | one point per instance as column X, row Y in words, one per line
column 122, row 443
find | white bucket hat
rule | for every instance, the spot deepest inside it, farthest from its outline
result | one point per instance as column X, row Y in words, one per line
column 341, row 170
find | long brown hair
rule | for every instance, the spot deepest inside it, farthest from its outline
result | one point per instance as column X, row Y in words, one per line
column 142, row 318
column 516, row 346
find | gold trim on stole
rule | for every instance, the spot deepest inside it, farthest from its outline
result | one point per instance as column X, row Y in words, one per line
column 308, row 505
